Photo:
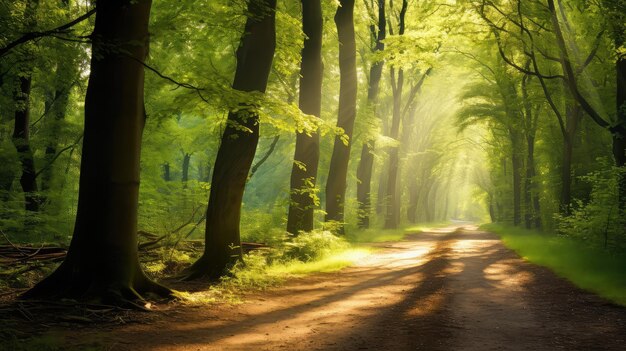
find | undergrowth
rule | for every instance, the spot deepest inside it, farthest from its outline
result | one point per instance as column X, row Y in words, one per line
column 590, row 268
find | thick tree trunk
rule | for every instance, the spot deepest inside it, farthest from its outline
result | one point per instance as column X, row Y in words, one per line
column 338, row 172
column 307, row 153
column 366, row 163
column 236, row 153
column 21, row 140
column 102, row 262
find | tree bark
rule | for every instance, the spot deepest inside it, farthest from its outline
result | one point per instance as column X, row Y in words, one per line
column 185, row 169
column 531, row 196
column 619, row 134
column 338, row 172
column 573, row 116
column 392, row 215
column 307, row 152
column 366, row 163
column 102, row 262
column 166, row 172
column 236, row 153
column 21, row 141
column 517, row 167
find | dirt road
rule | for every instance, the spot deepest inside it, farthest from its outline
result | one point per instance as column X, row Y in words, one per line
column 442, row 290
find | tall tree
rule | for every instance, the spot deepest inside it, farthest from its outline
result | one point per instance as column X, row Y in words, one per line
column 366, row 163
column 307, row 153
column 21, row 130
column 238, row 145
column 102, row 262
column 338, row 172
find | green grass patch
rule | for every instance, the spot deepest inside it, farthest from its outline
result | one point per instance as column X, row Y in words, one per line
column 592, row 269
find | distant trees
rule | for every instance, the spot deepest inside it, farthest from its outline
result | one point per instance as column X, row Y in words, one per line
column 506, row 110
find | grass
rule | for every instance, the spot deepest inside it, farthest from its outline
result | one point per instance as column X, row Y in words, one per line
column 591, row 269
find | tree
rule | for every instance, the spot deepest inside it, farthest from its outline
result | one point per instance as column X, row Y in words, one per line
column 338, row 172
column 238, row 145
column 307, row 153
column 21, row 130
column 102, row 262
column 366, row 163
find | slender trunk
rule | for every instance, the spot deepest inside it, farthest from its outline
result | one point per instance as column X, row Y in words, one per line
column 492, row 211
column 338, row 172
column 531, row 197
column 238, row 146
column 102, row 262
column 517, row 169
column 66, row 72
column 366, row 163
column 21, row 141
column 573, row 116
column 57, row 110
column 265, row 157
column 166, row 172
column 307, row 153
column 392, row 215
column 185, row 169
column 619, row 134
column 411, row 212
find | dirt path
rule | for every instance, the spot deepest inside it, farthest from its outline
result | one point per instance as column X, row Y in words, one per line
column 443, row 290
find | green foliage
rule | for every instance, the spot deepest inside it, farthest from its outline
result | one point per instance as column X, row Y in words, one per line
column 313, row 245
column 599, row 222
column 317, row 251
column 590, row 268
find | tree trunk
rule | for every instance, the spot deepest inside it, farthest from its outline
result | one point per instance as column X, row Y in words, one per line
column 307, row 153
column 531, row 197
column 236, row 153
column 166, row 172
column 392, row 215
column 492, row 211
column 411, row 212
column 65, row 75
column 102, row 262
column 21, row 140
column 573, row 116
column 517, row 167
column 619, row 134
column 366, row 163
column 185, row 170
column 338, row 172
column 57, row 110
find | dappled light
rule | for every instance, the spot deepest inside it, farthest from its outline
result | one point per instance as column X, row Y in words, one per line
column 312, row 175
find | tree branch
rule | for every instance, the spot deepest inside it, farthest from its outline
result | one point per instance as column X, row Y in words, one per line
column 34, row 35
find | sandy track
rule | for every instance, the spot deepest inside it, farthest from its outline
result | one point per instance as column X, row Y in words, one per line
column 442, row 290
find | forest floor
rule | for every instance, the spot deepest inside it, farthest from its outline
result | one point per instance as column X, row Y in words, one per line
column 446, row 289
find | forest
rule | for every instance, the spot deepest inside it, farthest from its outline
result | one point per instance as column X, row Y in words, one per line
column 215, row 158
